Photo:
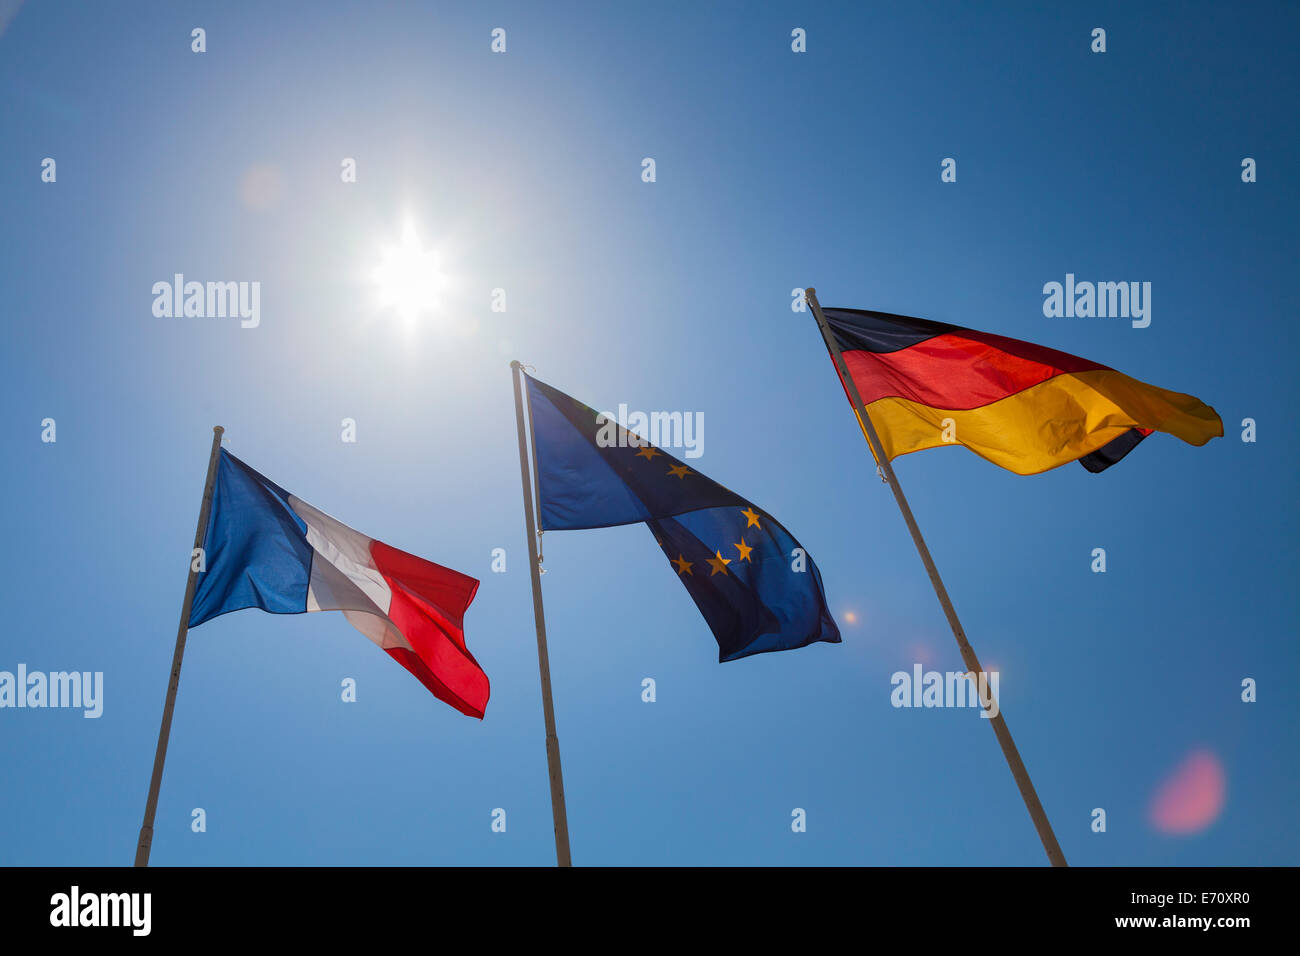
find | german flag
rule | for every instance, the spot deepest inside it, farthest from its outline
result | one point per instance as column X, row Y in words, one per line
column 1021, row 406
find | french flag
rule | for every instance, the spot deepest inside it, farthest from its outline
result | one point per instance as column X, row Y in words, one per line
column 269, row 549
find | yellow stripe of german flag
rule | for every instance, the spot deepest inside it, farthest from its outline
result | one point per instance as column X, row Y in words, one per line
column 1049, row 424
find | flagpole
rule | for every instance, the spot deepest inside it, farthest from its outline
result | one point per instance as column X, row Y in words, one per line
column 1018, row 771
column 543, row 659
column 145, row 842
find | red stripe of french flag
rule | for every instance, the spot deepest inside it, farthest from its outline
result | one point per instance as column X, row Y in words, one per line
column 428, row 608
column 412, row 608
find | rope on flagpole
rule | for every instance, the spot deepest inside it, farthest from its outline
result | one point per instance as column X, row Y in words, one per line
column 537, row 498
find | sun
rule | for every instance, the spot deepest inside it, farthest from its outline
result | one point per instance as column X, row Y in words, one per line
column 408, row 277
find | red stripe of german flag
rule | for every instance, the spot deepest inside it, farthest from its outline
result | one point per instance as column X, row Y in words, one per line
column 1021, row 406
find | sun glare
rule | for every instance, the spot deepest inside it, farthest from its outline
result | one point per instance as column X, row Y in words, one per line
column 408, row 277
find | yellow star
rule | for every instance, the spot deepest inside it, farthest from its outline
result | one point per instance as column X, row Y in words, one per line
column 648, row 452
column 744, row 550
column 683, row 566
column 718, row 563
column 679, row 471
column 751, row 519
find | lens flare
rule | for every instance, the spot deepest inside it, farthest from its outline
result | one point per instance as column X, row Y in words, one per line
column 1191, row 797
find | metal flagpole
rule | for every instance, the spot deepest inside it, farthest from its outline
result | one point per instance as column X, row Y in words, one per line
column 543, row 659
column 1018, row 771
column 164, row 732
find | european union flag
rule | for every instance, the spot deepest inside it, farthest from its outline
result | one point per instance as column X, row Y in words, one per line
column 756, row 587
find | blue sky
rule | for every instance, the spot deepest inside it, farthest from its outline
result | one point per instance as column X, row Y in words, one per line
column 775, row 170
